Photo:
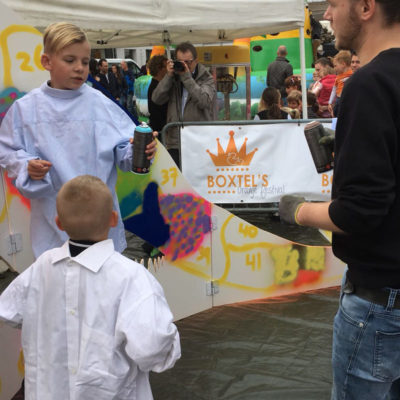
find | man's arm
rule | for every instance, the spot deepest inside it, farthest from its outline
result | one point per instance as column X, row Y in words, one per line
column 289, row 70
column 295, row 210
column 202, row 92
column 316, row 215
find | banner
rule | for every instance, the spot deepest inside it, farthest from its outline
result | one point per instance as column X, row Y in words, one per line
column 255, row 163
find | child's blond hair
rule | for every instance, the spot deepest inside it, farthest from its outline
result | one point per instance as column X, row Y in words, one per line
column 344, row 56
column 294, row 113
column 84, row 207
column 295, row 95
column 59, row 35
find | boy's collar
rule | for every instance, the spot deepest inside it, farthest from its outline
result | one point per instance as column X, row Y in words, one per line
column 60, row 93
column 91, row 258
column 77, row 246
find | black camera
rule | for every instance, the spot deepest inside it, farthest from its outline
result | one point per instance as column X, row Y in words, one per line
column 178, row 66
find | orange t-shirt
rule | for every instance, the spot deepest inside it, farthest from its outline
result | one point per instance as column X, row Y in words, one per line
column 340, row 80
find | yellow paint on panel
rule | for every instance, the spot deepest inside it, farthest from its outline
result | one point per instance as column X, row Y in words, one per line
column 3, row 213
column 286, row 261
column 204, row 253
column 228, row 247
column 314, row 259
column 193, row 269
column 4, row 35
column 21, row 363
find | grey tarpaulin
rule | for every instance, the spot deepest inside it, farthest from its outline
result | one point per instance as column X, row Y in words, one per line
column 276, row 348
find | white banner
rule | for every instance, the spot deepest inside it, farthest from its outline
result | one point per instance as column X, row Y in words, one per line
column 251, row 163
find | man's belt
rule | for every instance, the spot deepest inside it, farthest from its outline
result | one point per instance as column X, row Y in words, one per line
column 376, row 296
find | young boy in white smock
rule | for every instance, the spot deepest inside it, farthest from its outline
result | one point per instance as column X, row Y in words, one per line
column 61, row 130
column 94, row 323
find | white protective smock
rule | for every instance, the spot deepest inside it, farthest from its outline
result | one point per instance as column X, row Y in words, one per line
column 93, row 326
column 80, row 132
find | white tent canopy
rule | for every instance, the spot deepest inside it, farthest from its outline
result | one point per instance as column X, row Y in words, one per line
column 131, row 23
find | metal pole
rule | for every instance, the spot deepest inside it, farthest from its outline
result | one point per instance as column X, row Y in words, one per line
column 248, row 92
column 167, row 42
column 303, row 72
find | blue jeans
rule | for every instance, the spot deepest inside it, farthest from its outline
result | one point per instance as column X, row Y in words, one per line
column 366, row 349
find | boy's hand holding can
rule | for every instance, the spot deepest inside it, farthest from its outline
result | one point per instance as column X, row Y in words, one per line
column 144, row 148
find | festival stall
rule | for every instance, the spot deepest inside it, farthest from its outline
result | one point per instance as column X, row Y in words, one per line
column 210, row 257
column 146, row 23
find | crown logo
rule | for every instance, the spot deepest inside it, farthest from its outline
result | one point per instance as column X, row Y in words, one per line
column 231, row 156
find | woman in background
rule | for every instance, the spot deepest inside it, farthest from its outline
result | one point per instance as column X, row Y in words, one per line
column 158, row 114
column 269, row 106
column 121, row 83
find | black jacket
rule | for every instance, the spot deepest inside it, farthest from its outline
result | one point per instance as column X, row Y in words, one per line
column 277, row 72
column 109, row 84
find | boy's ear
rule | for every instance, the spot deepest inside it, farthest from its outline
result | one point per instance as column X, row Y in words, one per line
column 113, row 219
column 45, row 61
column 58, row 223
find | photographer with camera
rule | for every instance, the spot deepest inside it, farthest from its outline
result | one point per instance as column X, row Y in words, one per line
column 189, row 90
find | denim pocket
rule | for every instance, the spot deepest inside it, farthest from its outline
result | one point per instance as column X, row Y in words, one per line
column 387, row 356
column 349, row 325
column 355, row 310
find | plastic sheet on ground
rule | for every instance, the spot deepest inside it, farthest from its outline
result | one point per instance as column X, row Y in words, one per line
column 276, row 348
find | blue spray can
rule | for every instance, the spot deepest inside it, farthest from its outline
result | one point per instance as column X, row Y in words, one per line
column 142, row 137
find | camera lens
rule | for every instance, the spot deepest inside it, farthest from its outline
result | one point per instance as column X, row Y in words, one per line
column 178, row 66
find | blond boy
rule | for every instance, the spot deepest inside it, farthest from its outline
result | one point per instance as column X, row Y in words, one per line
column 94, row 323
column 342, row 65
column 61, row 130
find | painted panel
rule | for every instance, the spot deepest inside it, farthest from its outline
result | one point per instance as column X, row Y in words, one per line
column 21, row 46
column 250, row 263
column 162, row 208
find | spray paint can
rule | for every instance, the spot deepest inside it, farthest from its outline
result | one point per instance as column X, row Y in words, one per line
column 142, row 137
column 321, row 155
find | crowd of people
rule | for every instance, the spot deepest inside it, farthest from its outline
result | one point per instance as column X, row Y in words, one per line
column 116, row 83
column 323, row 94
column 189, row 94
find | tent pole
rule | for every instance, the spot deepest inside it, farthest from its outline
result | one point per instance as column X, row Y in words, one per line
column 303, row 71
column 167, row 43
